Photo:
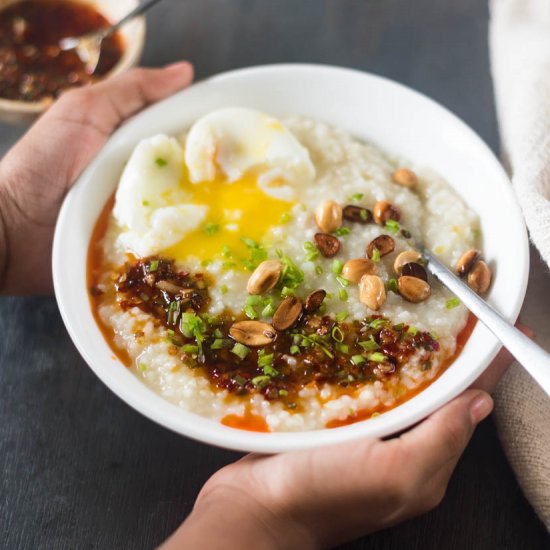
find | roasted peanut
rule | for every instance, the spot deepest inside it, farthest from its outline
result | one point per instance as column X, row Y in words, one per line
column 467, row 261
column 372, row 291
column 252, row 333
column 328, row 216
column 264, row 277
column 357, row 214
column 405, row 257
column 413, row 289
column 479, row 277
column 405, row 177
column 328, row 245
column 384, row 211
column 383, row 243
column 314, row 300
column 354, row 269
column 287, row 313
column 413, row 269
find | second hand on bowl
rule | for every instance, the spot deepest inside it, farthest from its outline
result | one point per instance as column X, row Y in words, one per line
column 88, row 46
column 534, row 359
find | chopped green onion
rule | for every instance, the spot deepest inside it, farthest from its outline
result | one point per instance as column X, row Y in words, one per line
column 377, row 357
column 393, row 226
column 341, row 231
column 292, row 276
column 337, row 266
column 224, row 289
column 378, row 323
column 375, row 255
column 285, row 217
column 250, row 312
column 190, row 348
column 211, row 228
column 206, row 263
column 268, row 310
column 342, row 348
column 218, row 333
column 412, row 330
column 249, row 243
column 226, row 251
column 286, row 291
column 318, row 270
column 312, row 252
column 239, row 380
column 342, row 316
column 337, row 334
column 393, row 285
column 153, row 266
column 160, row 162
column 369, row 345
column 253, row 300
column 261, row 380
column 343, row 295
column 342, row 281
column 283, row 393
column 142, row 367
column 363, row 214
column 357, row 359
column 145, row 203
column 434, row 335
column 294, row 349
column 357, row 197
column 218, row 343
column 452, row 303
column 240, row 350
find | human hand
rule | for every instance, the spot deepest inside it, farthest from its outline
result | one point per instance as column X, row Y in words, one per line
column 323, row 497
column 37, row 172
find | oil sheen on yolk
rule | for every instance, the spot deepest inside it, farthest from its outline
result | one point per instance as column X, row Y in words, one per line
column 235, row 210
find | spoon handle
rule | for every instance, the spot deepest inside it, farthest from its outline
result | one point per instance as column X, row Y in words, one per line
column 138, row 10
column 534, row 359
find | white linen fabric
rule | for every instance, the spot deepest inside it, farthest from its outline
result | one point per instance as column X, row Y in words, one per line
column 519, row 37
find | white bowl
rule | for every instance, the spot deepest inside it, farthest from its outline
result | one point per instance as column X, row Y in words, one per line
column 133, row 34
column 394, row 117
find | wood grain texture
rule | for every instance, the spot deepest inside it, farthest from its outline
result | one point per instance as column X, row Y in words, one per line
column 80, row 469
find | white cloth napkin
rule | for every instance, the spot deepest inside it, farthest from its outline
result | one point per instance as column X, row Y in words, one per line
column 519, row 37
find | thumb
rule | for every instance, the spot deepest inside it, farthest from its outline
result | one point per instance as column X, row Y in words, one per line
column 440, row 439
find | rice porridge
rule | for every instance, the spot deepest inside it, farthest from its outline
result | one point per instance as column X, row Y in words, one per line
column 263, row 273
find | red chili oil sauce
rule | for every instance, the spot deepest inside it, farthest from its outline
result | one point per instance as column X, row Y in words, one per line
column 32, row 66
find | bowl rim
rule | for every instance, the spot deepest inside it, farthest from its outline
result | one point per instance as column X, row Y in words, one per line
column 132, row 53
column 212, row 432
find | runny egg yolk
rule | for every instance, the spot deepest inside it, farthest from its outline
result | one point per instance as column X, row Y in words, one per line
column 237, row 210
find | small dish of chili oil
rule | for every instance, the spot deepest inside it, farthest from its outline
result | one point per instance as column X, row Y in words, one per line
column 32, row 66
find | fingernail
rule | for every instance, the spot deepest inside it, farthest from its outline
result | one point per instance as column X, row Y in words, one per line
column 480, row 407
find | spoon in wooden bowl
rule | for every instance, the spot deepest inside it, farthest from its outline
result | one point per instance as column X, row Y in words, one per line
column 88, row 46
column 534, row 359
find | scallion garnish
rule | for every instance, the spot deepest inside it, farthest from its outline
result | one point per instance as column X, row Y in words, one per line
column 190, row 348
column 153, row 266
column 261, row 381
column 392, row 226
column 393, row 285
column 369, row 345
column 343, row 295
column 224, row 289
column 341, row 231
column 375, row 255
column 218, row 343
column 356, row 197
column 294, row 349
column 285, row 217
column 377, row 357
column 357, row 359
column 452, row 303
column 412, row 330
column 342, row 281
column 337, row 334
column 160, row 162
column 240, row 350
column 318, row 270
column 337, row 266
column 342, row 316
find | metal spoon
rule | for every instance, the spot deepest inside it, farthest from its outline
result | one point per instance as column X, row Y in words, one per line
column 88, row 46
column 532, row 357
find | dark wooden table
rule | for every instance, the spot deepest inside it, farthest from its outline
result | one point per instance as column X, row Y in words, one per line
column 80, row 469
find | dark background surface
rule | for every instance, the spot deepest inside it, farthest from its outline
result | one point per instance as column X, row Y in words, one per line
column 79, row 468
